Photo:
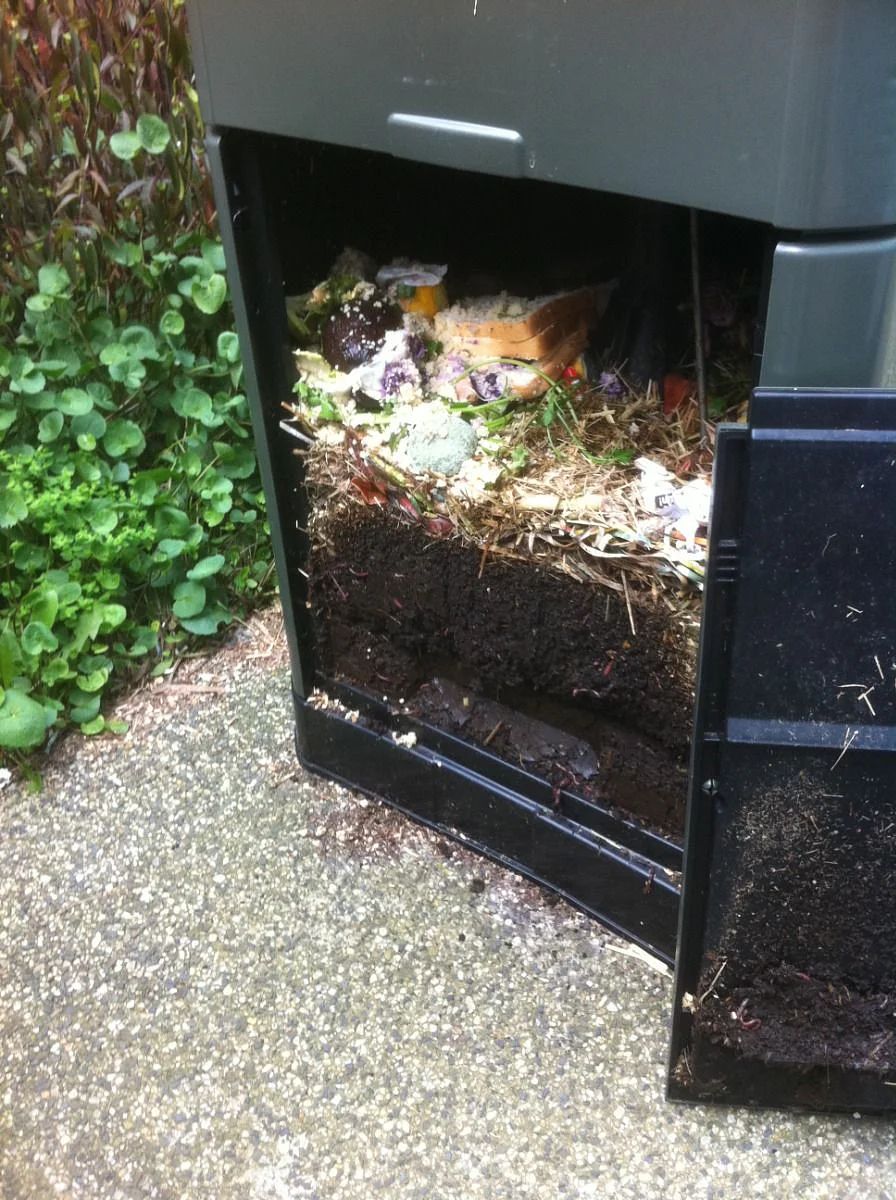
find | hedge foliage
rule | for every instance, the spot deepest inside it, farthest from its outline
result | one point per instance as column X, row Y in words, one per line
column 76, row 78
column 131, row 513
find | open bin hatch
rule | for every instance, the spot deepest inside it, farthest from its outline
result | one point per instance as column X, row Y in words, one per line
column 786, row 984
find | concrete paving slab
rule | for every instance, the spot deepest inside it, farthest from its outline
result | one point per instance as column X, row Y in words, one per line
column 223, row 978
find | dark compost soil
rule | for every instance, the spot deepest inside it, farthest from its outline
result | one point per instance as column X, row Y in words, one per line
column 785, row 1017
column 802, row 913
column 541, row 668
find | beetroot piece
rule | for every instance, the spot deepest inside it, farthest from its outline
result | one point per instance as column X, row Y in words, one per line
column 352, row 335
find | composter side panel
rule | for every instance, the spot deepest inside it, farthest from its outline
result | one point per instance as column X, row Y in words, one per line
column 831, row 315
column 255, row 281
column 787, row 955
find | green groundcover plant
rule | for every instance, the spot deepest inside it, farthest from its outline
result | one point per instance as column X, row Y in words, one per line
column 131, row 512
column 130, row 507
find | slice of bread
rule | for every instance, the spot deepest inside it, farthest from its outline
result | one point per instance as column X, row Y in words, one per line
column 545, row 342
column 520, row 328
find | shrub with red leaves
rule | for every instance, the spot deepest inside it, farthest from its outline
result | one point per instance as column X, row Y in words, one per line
column 72, row 74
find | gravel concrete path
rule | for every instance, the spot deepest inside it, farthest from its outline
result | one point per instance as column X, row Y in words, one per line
column 222, row 978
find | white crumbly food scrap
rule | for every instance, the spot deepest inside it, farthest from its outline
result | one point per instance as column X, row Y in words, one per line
column 443, row 372
column 502, row 307
column 475, row 477
column 330, row 435
column 408, row 740
column 325, row 703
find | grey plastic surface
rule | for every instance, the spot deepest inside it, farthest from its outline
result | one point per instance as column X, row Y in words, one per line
column 435, row 139
column 831, row 317
column 780, row 110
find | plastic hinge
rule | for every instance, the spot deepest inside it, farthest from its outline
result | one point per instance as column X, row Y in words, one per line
column 727, row 560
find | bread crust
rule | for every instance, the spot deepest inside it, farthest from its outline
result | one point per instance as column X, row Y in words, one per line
column 523, row 383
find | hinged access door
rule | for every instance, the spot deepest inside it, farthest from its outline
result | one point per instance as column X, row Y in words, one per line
column 786, row 985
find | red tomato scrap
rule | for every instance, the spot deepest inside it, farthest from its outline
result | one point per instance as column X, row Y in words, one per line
column 676, row 390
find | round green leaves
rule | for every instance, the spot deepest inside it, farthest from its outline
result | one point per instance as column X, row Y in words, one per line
column 151, row 135
column 23, row 721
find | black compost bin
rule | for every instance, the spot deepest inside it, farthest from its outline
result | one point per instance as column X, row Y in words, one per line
column 493, row 131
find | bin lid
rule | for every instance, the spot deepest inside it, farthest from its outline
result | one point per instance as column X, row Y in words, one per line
column 777, row 110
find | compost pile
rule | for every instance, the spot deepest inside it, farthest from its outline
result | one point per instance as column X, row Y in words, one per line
column 501, row 525
column 483, row 419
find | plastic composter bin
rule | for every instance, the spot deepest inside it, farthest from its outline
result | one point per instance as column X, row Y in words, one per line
column 779, row 111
